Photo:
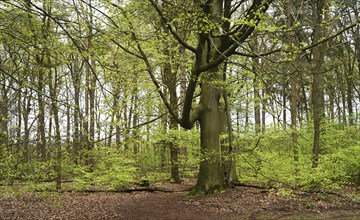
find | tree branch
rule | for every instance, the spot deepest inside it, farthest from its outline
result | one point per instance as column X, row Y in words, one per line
column 302, row 49
column 149, row 69
column 170, row 28
column 195, row 114
column 257, row 9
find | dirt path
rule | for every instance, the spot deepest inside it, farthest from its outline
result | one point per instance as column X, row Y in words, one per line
column 238, row 203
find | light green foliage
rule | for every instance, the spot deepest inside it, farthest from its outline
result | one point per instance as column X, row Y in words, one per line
column 113, row 170
column 285, row 192
column 188, row 143
column 122, row 41
column 268, row 158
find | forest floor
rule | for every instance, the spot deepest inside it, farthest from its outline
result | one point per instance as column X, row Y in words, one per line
column 170, row 201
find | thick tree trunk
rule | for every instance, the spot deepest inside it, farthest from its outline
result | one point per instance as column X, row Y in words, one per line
column 211, row 177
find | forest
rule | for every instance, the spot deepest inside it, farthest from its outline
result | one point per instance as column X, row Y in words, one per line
column 107, row 94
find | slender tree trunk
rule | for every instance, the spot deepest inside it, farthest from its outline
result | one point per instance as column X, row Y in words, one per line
column 284, row 106
column 4, row 116
column 226, row 130
column 331, row 93
column 133, row 114
column 256, row 85
column 349, row 78
column 170, row 81
column 263, row 111
column 20, row 115
column 91, row 85
column 247, row 108
column 55, row 111
column 85, row 131
column 68, row 118
column 305, row 101
column 119, row 110
column 342, row 108
column 293, row 112
column 114, row 112
column 26, row 112
column 118, row 127
column 50, row 125
column 41, row 118
column 92, row 117
column 135, row 129
column 127, row 120
column 318, row 77
column 183, row 81
column 293, row 91
column 357, row 47
column 162, row 145
column 257, row 106
column 75, row 70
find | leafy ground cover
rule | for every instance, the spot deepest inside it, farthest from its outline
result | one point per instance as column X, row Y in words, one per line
column 170, row 201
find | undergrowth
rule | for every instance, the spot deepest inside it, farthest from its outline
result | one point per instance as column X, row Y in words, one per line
column 261, row 158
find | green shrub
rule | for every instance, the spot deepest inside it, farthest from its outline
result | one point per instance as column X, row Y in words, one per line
column 113, row 170
column 268, row 158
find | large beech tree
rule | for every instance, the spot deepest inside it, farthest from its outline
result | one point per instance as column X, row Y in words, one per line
column 218, row 38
